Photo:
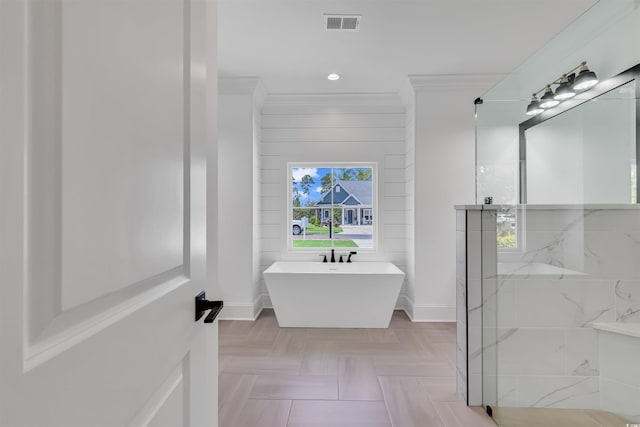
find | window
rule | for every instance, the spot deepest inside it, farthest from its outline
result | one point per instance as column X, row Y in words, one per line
column 367, row 216
column 507, row 229
column 332, row 206
column 511, row 229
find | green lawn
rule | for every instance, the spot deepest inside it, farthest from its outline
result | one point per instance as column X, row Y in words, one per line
column 322, row 243
column 314, row 229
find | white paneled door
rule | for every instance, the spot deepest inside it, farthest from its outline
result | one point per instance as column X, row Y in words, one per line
column 102, row 221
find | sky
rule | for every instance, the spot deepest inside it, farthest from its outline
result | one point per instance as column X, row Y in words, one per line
column 315, row 191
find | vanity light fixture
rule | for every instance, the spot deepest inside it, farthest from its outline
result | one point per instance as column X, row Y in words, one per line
column 568, row 86
column 549, row 99
column 565, row 90
column 333, row 76
column 586, row 78
column 534, row 106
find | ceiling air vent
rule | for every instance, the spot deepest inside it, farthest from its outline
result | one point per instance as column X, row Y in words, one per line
column 342, row 22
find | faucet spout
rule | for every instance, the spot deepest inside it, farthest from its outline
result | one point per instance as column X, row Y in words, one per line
column 351, row 253
column 333, row 255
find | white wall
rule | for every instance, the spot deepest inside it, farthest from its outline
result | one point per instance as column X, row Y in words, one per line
column 408, row 97
column 444, row 177
column 333, row 128
column 256, row 272
column 238, row 197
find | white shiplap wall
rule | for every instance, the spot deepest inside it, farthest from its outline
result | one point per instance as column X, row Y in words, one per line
column 333, row 128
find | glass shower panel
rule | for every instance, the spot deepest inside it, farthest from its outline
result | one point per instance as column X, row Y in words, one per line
column 560, row 275
column 586, row 154
column 564, row 299
column 497, row 165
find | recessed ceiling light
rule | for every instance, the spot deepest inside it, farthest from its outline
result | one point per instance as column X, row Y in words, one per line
column 333, row 76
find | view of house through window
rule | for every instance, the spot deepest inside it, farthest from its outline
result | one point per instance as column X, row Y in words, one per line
column 507, row 228
column 332, row 207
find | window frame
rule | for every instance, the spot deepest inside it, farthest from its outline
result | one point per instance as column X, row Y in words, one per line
column 333, row 165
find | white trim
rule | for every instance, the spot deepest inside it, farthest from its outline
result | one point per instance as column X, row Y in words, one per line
column 237, row 311
column 259, row 95
column 352, row 197
column 426, row 312
column 434, row 313
column 335, row 165
column 69, row 329
column 415, row 312
column 242, row 310
column 408, row 95
column 160, row 396
column 449, row 82
column 392, row 99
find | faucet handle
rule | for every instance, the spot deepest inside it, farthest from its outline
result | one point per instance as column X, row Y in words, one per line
column 325, row 257
column 341, row 260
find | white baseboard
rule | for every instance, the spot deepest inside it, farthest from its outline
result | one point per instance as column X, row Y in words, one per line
column 434, row 313
column 426, row 312
column 416, row 312
column 241, row 310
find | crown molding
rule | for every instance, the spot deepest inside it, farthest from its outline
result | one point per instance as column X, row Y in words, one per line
column 449, row 82
column 391, row 99
column 238, row 85
column 259, row 95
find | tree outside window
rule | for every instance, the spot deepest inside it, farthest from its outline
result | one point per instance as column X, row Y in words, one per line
column 332, row 206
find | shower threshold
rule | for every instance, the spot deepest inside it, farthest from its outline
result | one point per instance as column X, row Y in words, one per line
column 545, row 417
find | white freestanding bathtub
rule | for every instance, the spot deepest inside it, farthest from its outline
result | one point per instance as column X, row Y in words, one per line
column 333, row 295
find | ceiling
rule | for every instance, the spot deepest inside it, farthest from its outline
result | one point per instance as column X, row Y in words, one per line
column 284, row 41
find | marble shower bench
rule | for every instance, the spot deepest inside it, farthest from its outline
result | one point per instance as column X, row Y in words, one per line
column 619, row 345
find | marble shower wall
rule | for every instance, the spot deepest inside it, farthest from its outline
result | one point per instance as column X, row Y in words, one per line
column 572, row 267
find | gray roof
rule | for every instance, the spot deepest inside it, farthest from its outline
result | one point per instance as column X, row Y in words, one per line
column 361, row 190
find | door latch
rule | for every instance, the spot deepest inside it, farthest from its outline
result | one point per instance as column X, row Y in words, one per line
column 203, row 304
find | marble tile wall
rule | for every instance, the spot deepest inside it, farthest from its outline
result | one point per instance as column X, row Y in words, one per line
column 536, row 346
column 547, row 350
column 489, row 290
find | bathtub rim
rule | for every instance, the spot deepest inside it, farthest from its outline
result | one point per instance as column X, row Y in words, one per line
column 315, row 267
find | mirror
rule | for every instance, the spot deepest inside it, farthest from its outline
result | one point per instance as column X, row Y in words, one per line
column 584, row 151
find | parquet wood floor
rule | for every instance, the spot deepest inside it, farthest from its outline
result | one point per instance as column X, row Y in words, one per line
column 403, row 376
